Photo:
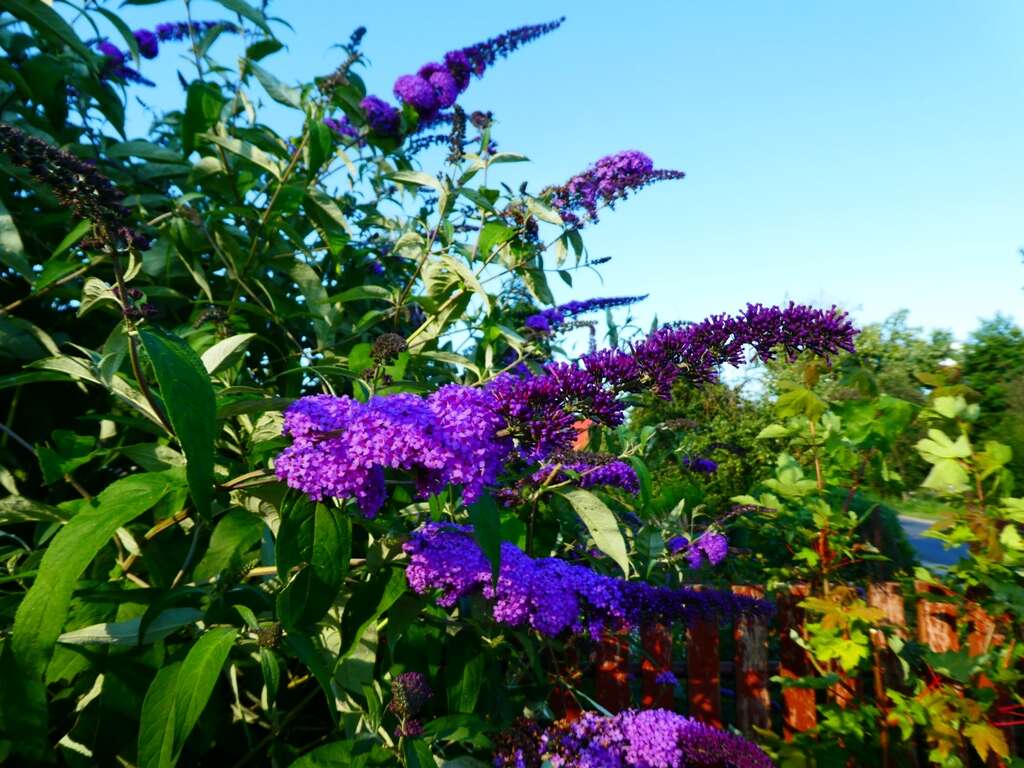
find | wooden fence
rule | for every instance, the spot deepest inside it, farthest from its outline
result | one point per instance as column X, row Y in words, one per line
column 736, row 690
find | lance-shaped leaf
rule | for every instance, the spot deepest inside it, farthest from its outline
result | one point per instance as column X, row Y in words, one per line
column 191, row 407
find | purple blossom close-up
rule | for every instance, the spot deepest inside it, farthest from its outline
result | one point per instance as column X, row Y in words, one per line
column 382, row 118
column 551, row 595
column 652, row 738
column 148, row 43
column 610, row 179
column 550, row 319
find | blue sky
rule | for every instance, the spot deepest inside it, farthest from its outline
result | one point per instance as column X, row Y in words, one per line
column 866, row 154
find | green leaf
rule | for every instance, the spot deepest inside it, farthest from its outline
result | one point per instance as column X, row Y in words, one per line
column 947, row 476
column 369, row 600
column 158, row 718
column 463, row 671
column 226, row 352
column 800, row 401
column 203, row 103
column 41, row 17
column 247, row 151
column 191, row 407
column 487, row 531
column 601, row 523
column 346, row 754
column 127, row 632
column 938, row 446
column 468, row 278
column 197, row 679
column 278, row 91
column 236, row 533
column 12, row 249
column 246, row 11
column 322, row 541
column 772, row 430
column 80, row 230
column 416, row 179
column 18, row 509
column 42, row 612
column 330, row 208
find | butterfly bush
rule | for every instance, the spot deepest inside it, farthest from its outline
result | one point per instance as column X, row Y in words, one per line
column 148, row 43
column 610, row 179
column 436, row 86
column 341, row 446
column 652, row 738
column 550, row 595
column 465, row 436
column 550, row 319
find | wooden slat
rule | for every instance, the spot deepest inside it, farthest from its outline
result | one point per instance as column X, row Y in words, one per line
column 656, row 640
column 799, row 711
column 936, row 622
column 888, row 597
column 751, row 638
column 702, row 672
column 612, row 684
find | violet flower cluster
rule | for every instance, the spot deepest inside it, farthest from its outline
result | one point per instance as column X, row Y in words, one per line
column 77, row 185
column 651, row 738
column 591, row 469
column 148, row 42
column 436, row 85
column 342, row 447
column 115, row 65
column 700, row 464
column 548, row 320
column 610, row 179
column 711, row 547
column 550, row 595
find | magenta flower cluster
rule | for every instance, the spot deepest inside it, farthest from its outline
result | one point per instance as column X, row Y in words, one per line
column 551, row 319
column 382, row 119
column 610, row 179
column 436, row 86
column 148, row 42
column 711, row 547
column 651, row 738
column 550, row 595
column 591, row 469
column 342, row 447
column 700, row 464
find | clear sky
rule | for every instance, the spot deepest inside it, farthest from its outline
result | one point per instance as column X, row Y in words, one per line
column 865, row 154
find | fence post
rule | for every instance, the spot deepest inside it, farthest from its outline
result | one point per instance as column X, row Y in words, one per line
column 612, row 684
column 982, row 636
column 656, row 640
column 703, row 670
column 936, row 622
column 887, row 597
column 799, row 710
column 751, row 637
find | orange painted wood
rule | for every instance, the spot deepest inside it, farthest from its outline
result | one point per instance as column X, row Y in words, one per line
column 936, row 622
column 751, row 638
column 702, row 672
column 799, row 710
column 612, row 683
column 656, row 640
column 582, row 428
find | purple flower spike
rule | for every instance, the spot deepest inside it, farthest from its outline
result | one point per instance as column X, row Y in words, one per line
column 417, row 92
column 652, row 738
column 551, row 595
column 477, row 58
column 148, row 44
column 382, row 118
column 609, row 180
